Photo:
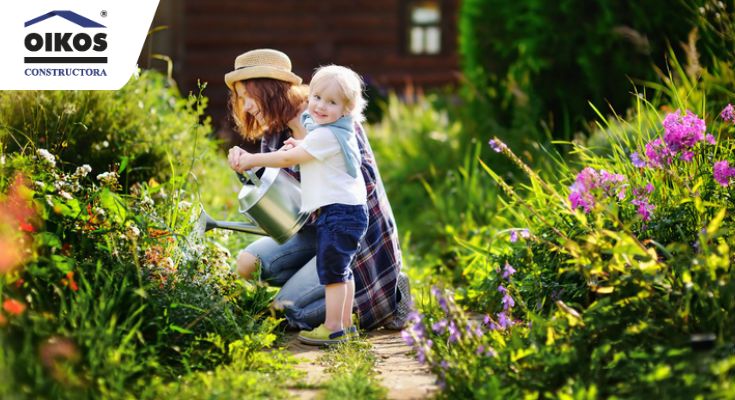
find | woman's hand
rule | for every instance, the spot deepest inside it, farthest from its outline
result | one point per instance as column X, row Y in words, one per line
column 233, row 156
column 240, row 160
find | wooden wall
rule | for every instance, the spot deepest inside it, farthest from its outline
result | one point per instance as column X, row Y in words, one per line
column 205, row 36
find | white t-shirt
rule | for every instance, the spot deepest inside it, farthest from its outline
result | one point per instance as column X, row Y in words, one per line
column 325, row 180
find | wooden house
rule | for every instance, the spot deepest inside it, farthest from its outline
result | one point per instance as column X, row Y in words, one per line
column 391, row 43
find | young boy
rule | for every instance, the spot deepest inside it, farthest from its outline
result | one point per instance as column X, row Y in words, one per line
column 332, row 185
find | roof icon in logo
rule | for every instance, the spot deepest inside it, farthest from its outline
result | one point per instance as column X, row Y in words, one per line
column 71, row 16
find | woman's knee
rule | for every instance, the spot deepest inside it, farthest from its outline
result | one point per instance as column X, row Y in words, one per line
column 247, row 264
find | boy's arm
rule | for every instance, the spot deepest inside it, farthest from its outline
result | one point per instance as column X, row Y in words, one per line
column 276, row 159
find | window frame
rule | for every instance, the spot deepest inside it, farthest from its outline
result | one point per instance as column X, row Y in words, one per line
column 406, row 24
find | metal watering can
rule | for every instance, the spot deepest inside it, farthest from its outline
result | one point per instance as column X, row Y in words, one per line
column 272, row 202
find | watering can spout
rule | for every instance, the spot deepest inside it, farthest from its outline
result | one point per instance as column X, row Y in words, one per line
column 208, row 223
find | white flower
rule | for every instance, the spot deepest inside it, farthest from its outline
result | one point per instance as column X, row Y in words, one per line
column 46, row 156
column 108, row 178
column 82, row 171
column 184, row 205
column 65, row 195
column 132, row 232
column 146, row 202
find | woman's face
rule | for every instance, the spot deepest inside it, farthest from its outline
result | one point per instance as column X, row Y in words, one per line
column 248, row 103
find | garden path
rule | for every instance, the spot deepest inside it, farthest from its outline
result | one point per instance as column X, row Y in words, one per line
column 396, row 369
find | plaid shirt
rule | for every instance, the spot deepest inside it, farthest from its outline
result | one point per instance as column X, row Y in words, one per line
column 378, row 260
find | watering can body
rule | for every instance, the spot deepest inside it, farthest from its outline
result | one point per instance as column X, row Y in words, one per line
column 272, row 203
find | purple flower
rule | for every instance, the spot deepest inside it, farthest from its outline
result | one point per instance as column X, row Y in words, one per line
column 486, row 320
column 687, row 156
column 508, row 302
column 710, row 139
column 728, row 113
column 641, row 200
column 502, row 289
column 513, row 236
column 589, row 180
column 508, row 271
column 454, row 333
column 444, row 364
column 480, row 350
column 683, row 131
column 406, row 335
column 419, row 331
column 635, row 158
column 723, row 172
column 439, row 327
column 421, row 355
column 497, row 145
column 414, row 317
column 443, row 304
column 658, row 154
column 525, row 233
column 504, row 321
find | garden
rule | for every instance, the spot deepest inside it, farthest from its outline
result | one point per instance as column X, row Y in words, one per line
column 565, row 216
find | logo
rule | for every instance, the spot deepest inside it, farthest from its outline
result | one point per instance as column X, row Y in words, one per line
column 65, row 42
column 72, row 44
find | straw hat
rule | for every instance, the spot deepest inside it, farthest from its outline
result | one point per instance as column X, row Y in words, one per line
column 262, row 63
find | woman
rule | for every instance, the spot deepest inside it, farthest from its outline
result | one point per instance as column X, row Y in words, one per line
column 267, row 99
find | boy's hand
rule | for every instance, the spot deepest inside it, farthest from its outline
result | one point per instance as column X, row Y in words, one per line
column 290, row 143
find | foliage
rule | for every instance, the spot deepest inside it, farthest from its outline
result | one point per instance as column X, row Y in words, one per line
column 542, row 61
column 128, row 131
column 109, row 288
column 615, row 283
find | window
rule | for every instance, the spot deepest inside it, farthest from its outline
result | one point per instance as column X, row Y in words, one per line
column 424, row 27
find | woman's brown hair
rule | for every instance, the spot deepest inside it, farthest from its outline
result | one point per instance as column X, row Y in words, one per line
column 278, row 101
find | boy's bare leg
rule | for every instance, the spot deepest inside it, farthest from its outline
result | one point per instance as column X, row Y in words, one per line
column 349, row 301
column 335, row 295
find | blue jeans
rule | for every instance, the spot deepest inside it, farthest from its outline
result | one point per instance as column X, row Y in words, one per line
column 292, row 266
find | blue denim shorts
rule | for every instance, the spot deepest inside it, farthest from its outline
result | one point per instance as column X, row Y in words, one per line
column 339, row 229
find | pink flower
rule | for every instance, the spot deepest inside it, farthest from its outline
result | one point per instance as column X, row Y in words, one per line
column 728, row 113
column 722, row 172
column 590, row 180
column 683, row 131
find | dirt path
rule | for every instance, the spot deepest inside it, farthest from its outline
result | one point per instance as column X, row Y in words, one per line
column 398, row 371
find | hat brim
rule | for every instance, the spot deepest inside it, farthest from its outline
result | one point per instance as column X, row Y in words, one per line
column 260, row 71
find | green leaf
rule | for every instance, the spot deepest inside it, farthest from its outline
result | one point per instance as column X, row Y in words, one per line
column 179, row 329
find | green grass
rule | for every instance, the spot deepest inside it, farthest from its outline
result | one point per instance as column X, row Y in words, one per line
column 351, row 366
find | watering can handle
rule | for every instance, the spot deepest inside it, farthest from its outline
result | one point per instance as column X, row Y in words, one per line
column 251, row 176
column 242, row 178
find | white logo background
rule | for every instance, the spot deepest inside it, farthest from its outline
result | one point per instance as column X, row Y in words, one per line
column 126, row 25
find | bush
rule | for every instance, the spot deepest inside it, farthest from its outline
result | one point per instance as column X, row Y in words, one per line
column 130, row 130
column 613, row 277
column 103, row 289
column 544, row 61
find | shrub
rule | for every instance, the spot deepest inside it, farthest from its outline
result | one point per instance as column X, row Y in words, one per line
column 112, row 287
column 129, row 131
column 542, row 61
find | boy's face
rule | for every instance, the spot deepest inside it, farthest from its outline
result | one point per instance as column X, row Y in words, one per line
column 326, row 104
